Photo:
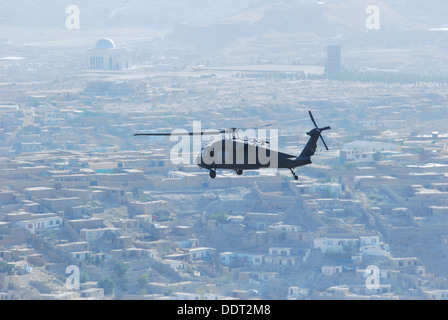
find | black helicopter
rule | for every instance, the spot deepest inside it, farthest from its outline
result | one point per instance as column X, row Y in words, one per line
column 244, row 154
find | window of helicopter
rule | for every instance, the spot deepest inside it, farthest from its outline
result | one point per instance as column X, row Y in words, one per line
column 268, row 152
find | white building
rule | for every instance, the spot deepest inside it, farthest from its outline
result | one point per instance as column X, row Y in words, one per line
column 336, row 245
column 39, row 224
column 280, row 256
column 331, row 269
column 372, row 246
column 8, row 108
column 106, row 56
column 438, row 294
column 285, row 227
column 364, row 151
column 96, row 234
column 226, row 258
column 199, row 253
column 295, row 293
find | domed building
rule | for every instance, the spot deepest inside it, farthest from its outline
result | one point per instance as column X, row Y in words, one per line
column 104, row 44
column 106, row 56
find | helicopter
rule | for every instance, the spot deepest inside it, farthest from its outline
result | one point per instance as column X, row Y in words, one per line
column 244, row 154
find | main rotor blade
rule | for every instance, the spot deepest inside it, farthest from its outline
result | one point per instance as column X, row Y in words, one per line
column 157, row 134
column 209, row 132
column 325, row 128
column 312, row 118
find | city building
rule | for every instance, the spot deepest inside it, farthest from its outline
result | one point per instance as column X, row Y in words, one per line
column 333, row 62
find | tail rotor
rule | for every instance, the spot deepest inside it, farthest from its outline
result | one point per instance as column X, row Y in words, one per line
column 319, row 129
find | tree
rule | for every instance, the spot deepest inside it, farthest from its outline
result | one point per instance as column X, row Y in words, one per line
column 7, row 268
column 350, row 247
column 120, row 269
column 108, row 285
column 221, row 217
column 142, row 280
column 84, row 277
column 377, row 156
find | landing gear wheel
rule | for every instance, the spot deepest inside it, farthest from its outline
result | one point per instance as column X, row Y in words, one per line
column 294, row 174
column 212, row 174
column 239, row 171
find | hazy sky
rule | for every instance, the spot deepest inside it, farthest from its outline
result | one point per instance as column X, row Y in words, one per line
column 259, row 29
column 127, row 13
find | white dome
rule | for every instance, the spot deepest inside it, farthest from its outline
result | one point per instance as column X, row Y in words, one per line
column 105, row 43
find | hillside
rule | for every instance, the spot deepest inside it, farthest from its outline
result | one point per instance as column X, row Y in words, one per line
column 286, row 15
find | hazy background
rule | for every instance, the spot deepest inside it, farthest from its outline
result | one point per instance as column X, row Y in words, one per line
column 411, row 36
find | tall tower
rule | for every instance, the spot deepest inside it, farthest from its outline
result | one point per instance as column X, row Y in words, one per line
column 333, row 63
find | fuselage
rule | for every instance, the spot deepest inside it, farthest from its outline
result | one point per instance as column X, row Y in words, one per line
column 242, row 155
